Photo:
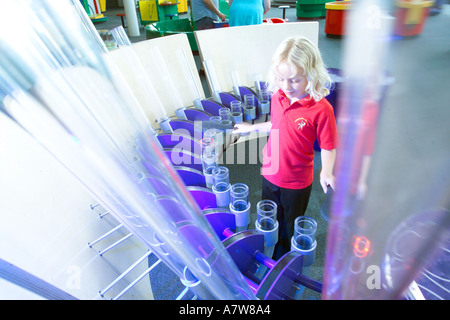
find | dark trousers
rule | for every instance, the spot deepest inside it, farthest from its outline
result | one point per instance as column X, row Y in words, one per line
column 205, row 23
column 291, row 203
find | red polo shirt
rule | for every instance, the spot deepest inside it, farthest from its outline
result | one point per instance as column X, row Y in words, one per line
column 288, row 157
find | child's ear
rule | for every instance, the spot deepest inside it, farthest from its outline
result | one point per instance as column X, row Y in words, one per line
column 308, row 86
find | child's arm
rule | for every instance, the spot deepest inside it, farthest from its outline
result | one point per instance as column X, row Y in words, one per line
column 327, row 178
column 266, row 5
column 243, row 128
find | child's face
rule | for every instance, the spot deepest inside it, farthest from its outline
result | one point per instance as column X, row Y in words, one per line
column 291, row 81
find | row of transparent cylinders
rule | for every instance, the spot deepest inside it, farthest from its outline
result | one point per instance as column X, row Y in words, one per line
column 236, row 198
column 247, row 111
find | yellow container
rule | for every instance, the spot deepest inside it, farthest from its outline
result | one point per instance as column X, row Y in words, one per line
column 182, row 6
column 415, row 10
column 148, row 11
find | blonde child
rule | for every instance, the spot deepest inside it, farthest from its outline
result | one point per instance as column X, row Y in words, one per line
column 300, row 114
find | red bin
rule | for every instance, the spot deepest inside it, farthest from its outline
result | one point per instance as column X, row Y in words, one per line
column 411, row 17
column 335, row 18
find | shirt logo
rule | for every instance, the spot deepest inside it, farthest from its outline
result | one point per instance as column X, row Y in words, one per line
column 301, row 123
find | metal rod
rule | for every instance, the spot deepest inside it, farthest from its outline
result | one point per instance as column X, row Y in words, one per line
column 101, row 215
column 94, row 205
column 115, row 244
column 90, row 244
column 309, row 283
column 227, row 232
column 266, row 261
column 124, row 274
column 137, row 280
column 181, row 295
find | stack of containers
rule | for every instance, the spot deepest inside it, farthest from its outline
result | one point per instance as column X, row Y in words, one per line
column 209, row 159
column 221, row 186
column 267, row 224
column 240, row 206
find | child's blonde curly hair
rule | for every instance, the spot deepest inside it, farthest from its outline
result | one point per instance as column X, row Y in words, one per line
column 302, row 54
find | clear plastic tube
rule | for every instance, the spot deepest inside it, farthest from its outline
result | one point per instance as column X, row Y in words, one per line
column 216, row 119
column 208, row 144
column 240, row 206
column 239, row 196
column 225, row 114
column 266, row 211
column 305, row 229
column 216, row 134
column 213, row 80
column 249, row 100
column 58, row 85
column 221, row 186
column 221, row 176
column 131, row 68
column 249, row 107
column 264, row 101
column 304, row 242
column 236, row 111
column 209, row 159
column 390, row 209
column 190, row 80
column 267, row 224
column 108, row 39
column 210, row 162
column 161, row 66
column 236, row 82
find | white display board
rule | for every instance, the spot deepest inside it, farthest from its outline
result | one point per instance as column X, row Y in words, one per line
column 245, row 51
column 182, row 72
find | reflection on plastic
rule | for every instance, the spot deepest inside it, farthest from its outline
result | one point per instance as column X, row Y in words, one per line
column 376, row 231
column 58, row 82
column 361, row 247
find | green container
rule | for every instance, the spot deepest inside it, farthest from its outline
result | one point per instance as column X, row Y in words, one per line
column 311, row 8
column 167, row 12
column 169, row 27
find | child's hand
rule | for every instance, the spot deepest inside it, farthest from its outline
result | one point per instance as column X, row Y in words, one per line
column 327, row 180
column 326, row 174
column 242, row 128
